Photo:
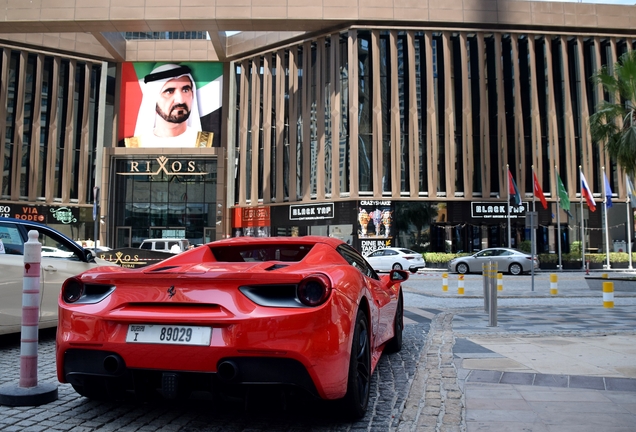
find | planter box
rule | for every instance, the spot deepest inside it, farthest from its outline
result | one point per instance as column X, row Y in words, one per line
column 548, row 266
column 572, row 265
column 620, row 284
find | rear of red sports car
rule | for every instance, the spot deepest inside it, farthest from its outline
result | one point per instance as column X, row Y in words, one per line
column 231, row 313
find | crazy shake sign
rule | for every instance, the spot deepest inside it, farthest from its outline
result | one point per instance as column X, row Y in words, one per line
column 375, row 225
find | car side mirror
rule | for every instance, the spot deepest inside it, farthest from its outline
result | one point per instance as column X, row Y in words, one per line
column 398, row 275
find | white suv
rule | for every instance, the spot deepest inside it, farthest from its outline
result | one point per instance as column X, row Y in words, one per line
column 173, row 245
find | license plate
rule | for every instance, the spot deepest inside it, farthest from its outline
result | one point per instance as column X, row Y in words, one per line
column 168, row 334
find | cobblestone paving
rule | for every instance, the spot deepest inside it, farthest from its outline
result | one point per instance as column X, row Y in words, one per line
column 390, row 387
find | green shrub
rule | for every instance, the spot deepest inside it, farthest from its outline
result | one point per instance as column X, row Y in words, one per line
column 525, row 246
column 548, row 258
column 439, row 257
column 575, row 247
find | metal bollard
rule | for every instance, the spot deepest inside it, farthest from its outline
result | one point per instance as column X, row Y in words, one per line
column 608, row 294
column 492, row 299
column 444, row 282
column 460, row 285
column 553, row 284
column 485, row 271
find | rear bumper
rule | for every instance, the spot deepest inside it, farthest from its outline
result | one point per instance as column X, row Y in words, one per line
column 309, row 348
column 107, row 369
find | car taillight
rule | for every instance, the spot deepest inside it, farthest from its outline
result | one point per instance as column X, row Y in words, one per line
column 408, row 257
column 72, row 290
column 314, row 290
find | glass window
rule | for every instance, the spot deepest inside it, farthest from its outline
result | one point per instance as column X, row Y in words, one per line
column 357, row 261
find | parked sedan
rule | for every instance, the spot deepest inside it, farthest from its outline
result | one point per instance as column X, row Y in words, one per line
column 61, row 258
column 508, row 261
column 394, row 258
column 295, row 312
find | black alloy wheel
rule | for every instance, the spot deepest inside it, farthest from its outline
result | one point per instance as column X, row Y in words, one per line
column 395, row 343
column 356, row 400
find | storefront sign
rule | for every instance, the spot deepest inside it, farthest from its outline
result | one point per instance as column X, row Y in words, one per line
column 42, row 214
column 165, row 166
column 375, row 219
column 311, row 211
column 489, row 210
column 368, row 246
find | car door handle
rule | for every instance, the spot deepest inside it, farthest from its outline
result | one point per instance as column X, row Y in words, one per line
column 50, row 268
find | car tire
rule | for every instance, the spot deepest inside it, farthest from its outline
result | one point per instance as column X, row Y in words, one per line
column 397, row 266
column 395, row 344
column 356, row 400
column 515, row 269
column 462, row 268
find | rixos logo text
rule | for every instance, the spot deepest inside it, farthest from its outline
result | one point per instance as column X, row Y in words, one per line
column 175, row 167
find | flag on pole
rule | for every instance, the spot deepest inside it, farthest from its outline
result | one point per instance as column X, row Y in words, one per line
column 538, row 192
column 513, row 192
column 587, row 193
column 608, row 191
column 631, row 194
column 563, row 196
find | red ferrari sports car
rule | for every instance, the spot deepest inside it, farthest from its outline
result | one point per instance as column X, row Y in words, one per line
column 306, row 312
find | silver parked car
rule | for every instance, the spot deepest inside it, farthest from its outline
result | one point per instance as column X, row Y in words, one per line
column 61, row 259
column 508, row 261
column 395, row 258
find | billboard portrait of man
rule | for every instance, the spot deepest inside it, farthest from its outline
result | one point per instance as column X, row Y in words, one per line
column 165, row 107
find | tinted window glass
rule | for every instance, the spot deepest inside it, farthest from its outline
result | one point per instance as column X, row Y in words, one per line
column 357, row 261
column 11, row 239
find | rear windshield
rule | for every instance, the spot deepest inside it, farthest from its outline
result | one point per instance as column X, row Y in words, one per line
column 261, row 252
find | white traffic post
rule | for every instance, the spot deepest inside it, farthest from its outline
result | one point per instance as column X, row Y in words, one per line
column 444, row 282
column 30, row 311
column 29, row 393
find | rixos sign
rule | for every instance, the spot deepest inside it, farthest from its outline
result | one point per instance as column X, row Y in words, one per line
column 163, row 165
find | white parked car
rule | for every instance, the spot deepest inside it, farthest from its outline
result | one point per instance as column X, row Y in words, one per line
column 395, row 258
column 61, row 259
column 50, row 251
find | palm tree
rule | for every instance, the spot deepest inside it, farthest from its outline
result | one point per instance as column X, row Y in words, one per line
column 605, row 124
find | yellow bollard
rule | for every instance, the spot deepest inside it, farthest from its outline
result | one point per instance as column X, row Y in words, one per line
column 604, row 276
column 444, row 282
column 608, row 294
column 499, row 281
column 460, row 285
column 554, row 290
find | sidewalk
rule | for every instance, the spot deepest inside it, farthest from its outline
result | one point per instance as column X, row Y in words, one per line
column 551, row 363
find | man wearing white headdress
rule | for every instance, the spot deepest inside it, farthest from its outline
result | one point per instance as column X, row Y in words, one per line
column 169, row 114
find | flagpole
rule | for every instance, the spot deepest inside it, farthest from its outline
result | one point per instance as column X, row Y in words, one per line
column 556, row 173
column 508, row 206
column 629, row 234
column 582, row 221
column 534, row 230
column 606, row 229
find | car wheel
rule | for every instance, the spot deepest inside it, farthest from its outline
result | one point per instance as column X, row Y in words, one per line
column 462, row 268
column 395, row 344
column 356, row 400
column 397, row 266
column 515, row 269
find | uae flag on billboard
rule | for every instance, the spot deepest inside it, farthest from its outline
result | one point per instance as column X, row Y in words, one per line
column 208, row 86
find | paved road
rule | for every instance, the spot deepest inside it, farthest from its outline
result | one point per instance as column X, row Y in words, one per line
column 425, row 387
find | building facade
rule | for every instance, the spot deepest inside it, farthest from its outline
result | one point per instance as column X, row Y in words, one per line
column 381, row 124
